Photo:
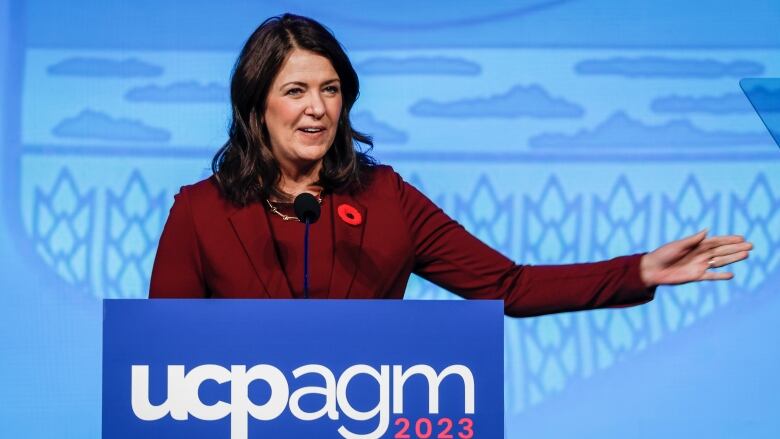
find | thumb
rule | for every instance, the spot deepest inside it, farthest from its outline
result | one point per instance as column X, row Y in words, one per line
column 695, row 239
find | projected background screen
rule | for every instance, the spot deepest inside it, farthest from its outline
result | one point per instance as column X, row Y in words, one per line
column 555, row 131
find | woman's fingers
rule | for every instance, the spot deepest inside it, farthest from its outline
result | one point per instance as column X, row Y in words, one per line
column 728, row 249
column 716, row 275
column 717, row 241
column 721, row 261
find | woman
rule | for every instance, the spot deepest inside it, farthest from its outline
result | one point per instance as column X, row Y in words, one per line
column 235, row 235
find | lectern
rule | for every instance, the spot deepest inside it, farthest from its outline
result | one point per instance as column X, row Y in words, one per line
column 350, row 369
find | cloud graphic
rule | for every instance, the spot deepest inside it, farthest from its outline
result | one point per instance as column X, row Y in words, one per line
column 660, row 67
column 724, row 104
column 622, row 132
column 419, row 66
column 519, row 101
column 185, row 91
column 90, row 124
column 381, row 132
column 105, row 68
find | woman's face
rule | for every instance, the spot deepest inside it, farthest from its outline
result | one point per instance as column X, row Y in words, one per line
column 302, row 110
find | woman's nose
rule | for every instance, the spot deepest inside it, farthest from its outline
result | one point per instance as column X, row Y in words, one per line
column 316, row 107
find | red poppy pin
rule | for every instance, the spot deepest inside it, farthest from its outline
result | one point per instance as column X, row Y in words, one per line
column 349, row 215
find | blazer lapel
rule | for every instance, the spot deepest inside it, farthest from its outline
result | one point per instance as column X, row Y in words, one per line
column 251, row 225
column 347, row 243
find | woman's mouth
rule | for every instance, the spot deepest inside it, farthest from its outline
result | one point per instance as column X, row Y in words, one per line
column 312, row 132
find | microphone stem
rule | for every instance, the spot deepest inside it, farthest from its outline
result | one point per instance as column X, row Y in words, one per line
column 306, row 261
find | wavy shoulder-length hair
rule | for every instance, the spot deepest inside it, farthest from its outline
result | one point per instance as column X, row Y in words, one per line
column 245, row 169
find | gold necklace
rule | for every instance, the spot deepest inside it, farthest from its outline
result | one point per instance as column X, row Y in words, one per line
column 288, row 217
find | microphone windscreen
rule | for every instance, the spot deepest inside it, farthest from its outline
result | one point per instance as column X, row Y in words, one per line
column 307, row 208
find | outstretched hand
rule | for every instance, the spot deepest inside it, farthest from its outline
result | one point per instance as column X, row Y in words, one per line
column 689, row 259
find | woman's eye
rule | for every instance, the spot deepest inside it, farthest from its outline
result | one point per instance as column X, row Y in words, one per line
column 332, row 89
column 294, row 91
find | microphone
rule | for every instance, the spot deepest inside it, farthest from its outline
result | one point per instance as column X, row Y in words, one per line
column 307, row 209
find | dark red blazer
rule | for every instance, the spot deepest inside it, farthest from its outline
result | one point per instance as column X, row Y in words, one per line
column 211, row 248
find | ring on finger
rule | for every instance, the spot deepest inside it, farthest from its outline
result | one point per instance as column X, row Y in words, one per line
column 711, row 263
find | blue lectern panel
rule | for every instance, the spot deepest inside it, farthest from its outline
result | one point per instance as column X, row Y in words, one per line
column 293, row 369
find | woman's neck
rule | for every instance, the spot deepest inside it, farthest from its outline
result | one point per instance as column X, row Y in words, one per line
column 295, row 182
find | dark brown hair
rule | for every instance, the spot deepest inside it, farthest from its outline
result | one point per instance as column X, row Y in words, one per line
column 245, row 169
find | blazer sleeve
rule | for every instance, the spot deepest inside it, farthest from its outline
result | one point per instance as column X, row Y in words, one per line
column 177, row 271
column 449, row 256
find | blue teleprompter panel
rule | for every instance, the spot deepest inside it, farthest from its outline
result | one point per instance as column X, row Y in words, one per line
column 293, row 368
column 764, row 96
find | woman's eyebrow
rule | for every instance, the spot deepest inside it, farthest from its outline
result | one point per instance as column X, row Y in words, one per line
column 303, row 84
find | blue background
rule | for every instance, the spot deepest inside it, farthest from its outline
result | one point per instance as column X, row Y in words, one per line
column 556, row 131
